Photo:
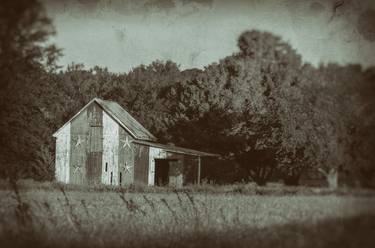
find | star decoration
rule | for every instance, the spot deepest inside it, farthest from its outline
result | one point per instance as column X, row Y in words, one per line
column 126, row 142
column 79, row 141
column 127, row 167
column 76, row 169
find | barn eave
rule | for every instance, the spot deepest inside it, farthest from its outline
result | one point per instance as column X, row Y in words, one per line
column 176, row 149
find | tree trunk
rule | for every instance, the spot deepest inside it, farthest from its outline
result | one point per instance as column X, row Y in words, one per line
column 261, row 176
column 332, row 178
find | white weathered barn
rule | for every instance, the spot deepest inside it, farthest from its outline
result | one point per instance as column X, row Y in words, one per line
column 103, row 143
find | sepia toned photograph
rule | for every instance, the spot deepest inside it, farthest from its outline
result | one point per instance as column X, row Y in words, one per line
column 187, row 123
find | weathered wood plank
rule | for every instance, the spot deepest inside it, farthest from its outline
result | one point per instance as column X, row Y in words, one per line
column 96, row 139
column 95, row 115
column 95, row 146
column 176, row 169
column 110, row 150
column 154, row 153
column 62, row 162
column 141, row 164
column 79, row 140
column 94, row 168
column 126, row 157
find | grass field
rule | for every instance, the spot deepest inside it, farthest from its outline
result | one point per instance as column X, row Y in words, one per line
column 42, row 217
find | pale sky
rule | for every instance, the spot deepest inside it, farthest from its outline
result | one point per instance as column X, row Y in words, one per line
column 121, row 35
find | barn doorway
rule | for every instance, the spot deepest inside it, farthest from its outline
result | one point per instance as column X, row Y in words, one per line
column 161, row 172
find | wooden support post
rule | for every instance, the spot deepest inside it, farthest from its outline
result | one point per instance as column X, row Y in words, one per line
column 199, row 170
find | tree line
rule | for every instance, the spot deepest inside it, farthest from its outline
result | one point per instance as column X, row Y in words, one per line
column 269, row 115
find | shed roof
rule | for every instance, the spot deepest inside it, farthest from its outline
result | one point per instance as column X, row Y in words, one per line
column 176, row 149
column 120, row 115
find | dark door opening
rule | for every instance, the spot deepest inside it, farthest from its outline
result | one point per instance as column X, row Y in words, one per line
column 162, row 172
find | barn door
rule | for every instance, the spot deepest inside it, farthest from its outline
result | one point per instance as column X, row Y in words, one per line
column 94, row 159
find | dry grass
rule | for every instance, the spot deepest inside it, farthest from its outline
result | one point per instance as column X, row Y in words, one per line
column 276, row 189
column 117, row 218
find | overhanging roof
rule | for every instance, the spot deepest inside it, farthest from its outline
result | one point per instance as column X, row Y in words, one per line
column 126, row 120
column 176, row 149
column 121, row 116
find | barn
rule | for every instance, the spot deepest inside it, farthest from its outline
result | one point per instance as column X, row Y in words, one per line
column 104, row 144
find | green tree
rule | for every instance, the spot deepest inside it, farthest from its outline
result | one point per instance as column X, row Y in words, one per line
column 344, row 118
column 243, row 93
column 25, row 58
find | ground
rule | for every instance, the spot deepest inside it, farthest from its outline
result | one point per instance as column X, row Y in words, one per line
column 116, row 218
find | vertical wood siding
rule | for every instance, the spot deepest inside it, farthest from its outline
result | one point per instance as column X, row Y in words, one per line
column 96, row 139
column 141, row 164
column 153, row 154
column 176, row 177
column 126, row 157
column 110, row 150
column 63, row 155
column 79, row 140
column 190, row 169
column 95, row 146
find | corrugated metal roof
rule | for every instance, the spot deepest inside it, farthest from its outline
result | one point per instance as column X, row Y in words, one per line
column 176, row 149
column 126, row 120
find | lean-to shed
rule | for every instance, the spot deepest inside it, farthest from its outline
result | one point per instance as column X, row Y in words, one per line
column 104, row 144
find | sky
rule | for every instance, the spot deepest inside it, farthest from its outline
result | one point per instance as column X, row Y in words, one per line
column 121, row 35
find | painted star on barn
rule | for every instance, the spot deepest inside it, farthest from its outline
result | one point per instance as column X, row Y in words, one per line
column 127, row 167
column 125, row 142
column 79, row 141
column 76, row 169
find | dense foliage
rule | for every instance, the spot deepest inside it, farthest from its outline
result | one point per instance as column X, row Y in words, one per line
column 25, row 61
column 265, row 111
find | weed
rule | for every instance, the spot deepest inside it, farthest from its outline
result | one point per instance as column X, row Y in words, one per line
column 164, row 201
column 131, row 205
column 71, row 216
column 149, row 202
column 22, row 210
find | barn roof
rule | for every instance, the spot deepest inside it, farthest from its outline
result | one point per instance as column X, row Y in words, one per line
column 126, row 120
column 139, row 132
column 175, row 149
column 123, row 118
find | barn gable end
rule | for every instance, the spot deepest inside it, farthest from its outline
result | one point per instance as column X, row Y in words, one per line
column 121, row 116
